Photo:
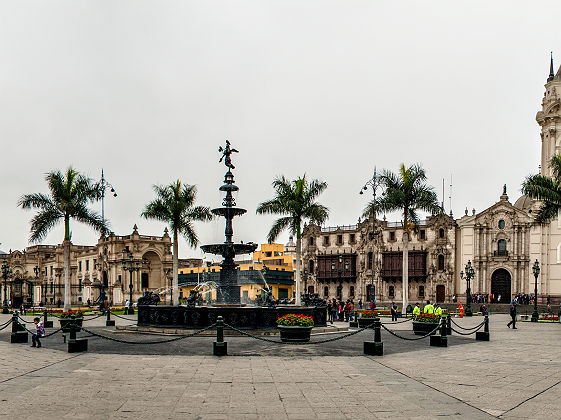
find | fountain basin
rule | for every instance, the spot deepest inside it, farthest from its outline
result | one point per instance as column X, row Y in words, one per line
column 238, row 249
column 242, row 317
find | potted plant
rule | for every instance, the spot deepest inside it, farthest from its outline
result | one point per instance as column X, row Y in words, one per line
column 367, row 318
column 295, row 327
column 425, row 323
column 66, row 319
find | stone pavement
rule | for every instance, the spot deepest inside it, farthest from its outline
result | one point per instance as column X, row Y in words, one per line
column 510, row 377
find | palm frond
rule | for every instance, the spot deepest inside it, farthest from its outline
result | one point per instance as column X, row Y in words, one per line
column 278, row 226
column 43, row 222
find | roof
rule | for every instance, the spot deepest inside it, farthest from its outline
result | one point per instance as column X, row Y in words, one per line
column 523, row 203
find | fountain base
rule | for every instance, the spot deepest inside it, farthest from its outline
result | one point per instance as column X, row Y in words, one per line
column 242, row 317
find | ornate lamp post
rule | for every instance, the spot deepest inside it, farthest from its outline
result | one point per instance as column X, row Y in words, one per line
column 536, row 270
column 6, row 272
column 374, row 182
column 129, row 265
column 470, row 274
column 305, row 281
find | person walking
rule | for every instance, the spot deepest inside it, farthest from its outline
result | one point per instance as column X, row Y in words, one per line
column 360, row 304
column 39, row 332
column 394, row 311
column 512, row 315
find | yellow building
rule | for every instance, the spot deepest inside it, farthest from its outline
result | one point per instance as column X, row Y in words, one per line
column 270, row 266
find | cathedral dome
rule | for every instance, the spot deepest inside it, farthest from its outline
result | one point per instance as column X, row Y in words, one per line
column 523, row 203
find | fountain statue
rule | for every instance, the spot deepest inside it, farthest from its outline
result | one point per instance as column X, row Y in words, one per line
column 228, row 291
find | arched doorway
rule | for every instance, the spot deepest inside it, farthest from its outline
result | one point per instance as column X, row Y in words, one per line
column 500, row 286
column 151, row 275
column 440, row 293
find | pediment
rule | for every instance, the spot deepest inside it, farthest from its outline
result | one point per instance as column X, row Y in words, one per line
column 504, row 207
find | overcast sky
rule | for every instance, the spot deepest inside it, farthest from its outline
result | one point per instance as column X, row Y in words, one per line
column 149, row 90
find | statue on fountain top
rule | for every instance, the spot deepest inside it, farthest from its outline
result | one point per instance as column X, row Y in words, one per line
column 226, row 152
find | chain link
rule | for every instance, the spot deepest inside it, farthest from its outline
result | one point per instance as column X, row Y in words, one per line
column 150, row 342
column 6, row 325
column 122, row 317
column 296, row 343
column 411, row 339
column 469, row 333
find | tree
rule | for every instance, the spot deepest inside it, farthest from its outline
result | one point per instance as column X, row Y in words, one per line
column 547, row 190
column 295, row 201
column 174, row 204
column 407, row 192
column 69, row 197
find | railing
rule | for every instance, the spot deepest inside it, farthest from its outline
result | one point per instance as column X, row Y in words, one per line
column 400, row 224
column 336, row 228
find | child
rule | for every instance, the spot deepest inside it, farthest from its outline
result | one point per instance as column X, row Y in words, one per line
column 39, row 332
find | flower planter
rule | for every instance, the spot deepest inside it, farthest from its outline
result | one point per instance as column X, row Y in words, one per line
column 65, row 323
column 365, row 322
column 294, row 334
column 423, row 328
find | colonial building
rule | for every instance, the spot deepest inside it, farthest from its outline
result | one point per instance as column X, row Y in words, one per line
column 38, row 270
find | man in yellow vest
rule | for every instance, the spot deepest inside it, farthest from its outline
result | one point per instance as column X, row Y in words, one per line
column 437, row 310
column 428, row 309
column 417, row 309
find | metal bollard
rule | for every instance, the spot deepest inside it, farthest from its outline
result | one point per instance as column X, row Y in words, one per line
column 484, row 335
column 76, row 345
column 376, row 347
column 19, row 335
column 108, row 321
column 46, row 322
column 220, row 347
column 449, row 325
column 440, row 340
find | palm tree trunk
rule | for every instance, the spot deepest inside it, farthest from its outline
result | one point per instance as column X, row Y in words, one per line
column 175, row 283
column 67, row 291
column 298, row 253
column 405, row 282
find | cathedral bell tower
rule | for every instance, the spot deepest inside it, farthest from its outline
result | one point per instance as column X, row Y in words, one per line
column 549, row 119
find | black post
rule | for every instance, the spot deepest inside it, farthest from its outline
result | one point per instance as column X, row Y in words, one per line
column 448, row 325
column 131, row 309
column 76, row 345
column 440, row 340
column 46, row 322
column 376, row 347
column 220, row 347
column 484, row 335
column 19, row 335
column 108, row 321
column 5, row 273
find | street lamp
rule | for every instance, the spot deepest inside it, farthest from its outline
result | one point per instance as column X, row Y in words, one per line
column 6, row 272
column 339, row 273
column 129, row 265
column 469, row 274
column 536, row 270
column 374, row 182
column 305, row 281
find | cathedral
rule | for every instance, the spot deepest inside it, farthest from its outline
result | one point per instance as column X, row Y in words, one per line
column 502, row 243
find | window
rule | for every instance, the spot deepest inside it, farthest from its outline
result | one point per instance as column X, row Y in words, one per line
column 392, row 236
column 391, row 291
column 501, row 224
column 51, row 270
column 144, row 280
column 325, row 291
column 352, row 291
column 326, row 240
column 501, row 247
column 422, row 234
column 339, row 239
column 352, row 238
column 119, row 278
column 87, row 265
column 441, row 262
column 311, row 241
column 80, row 284
column 421, row 291
column 441, row 233
column 369, row 261
column 79, row 265
column 94, row 263
column 311, row 266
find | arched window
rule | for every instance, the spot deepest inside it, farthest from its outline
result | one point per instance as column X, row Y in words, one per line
column 311, row 266
column 369, row 262
column 501, row 224
column 441, row 262
column 391, row 292
column 325, row 291
column 441, row 233
column 501, row 247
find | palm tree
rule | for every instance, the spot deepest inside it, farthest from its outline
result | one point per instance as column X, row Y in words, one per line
column 546, row 189
column 174, row 204
column 408, row 193
column 69, row 197
column 295, row 201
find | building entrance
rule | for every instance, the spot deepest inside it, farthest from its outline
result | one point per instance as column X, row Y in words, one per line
column 500, row 286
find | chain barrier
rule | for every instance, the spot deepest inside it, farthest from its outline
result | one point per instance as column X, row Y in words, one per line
column 150, row 342
column 119, row 316
column 397, row 322
column 27, row 322
column 91, row 319
column 469, row 333
column 466, row 329
column 6, row 325
column 412, row 339
column 51, row 333
column 296, row 343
